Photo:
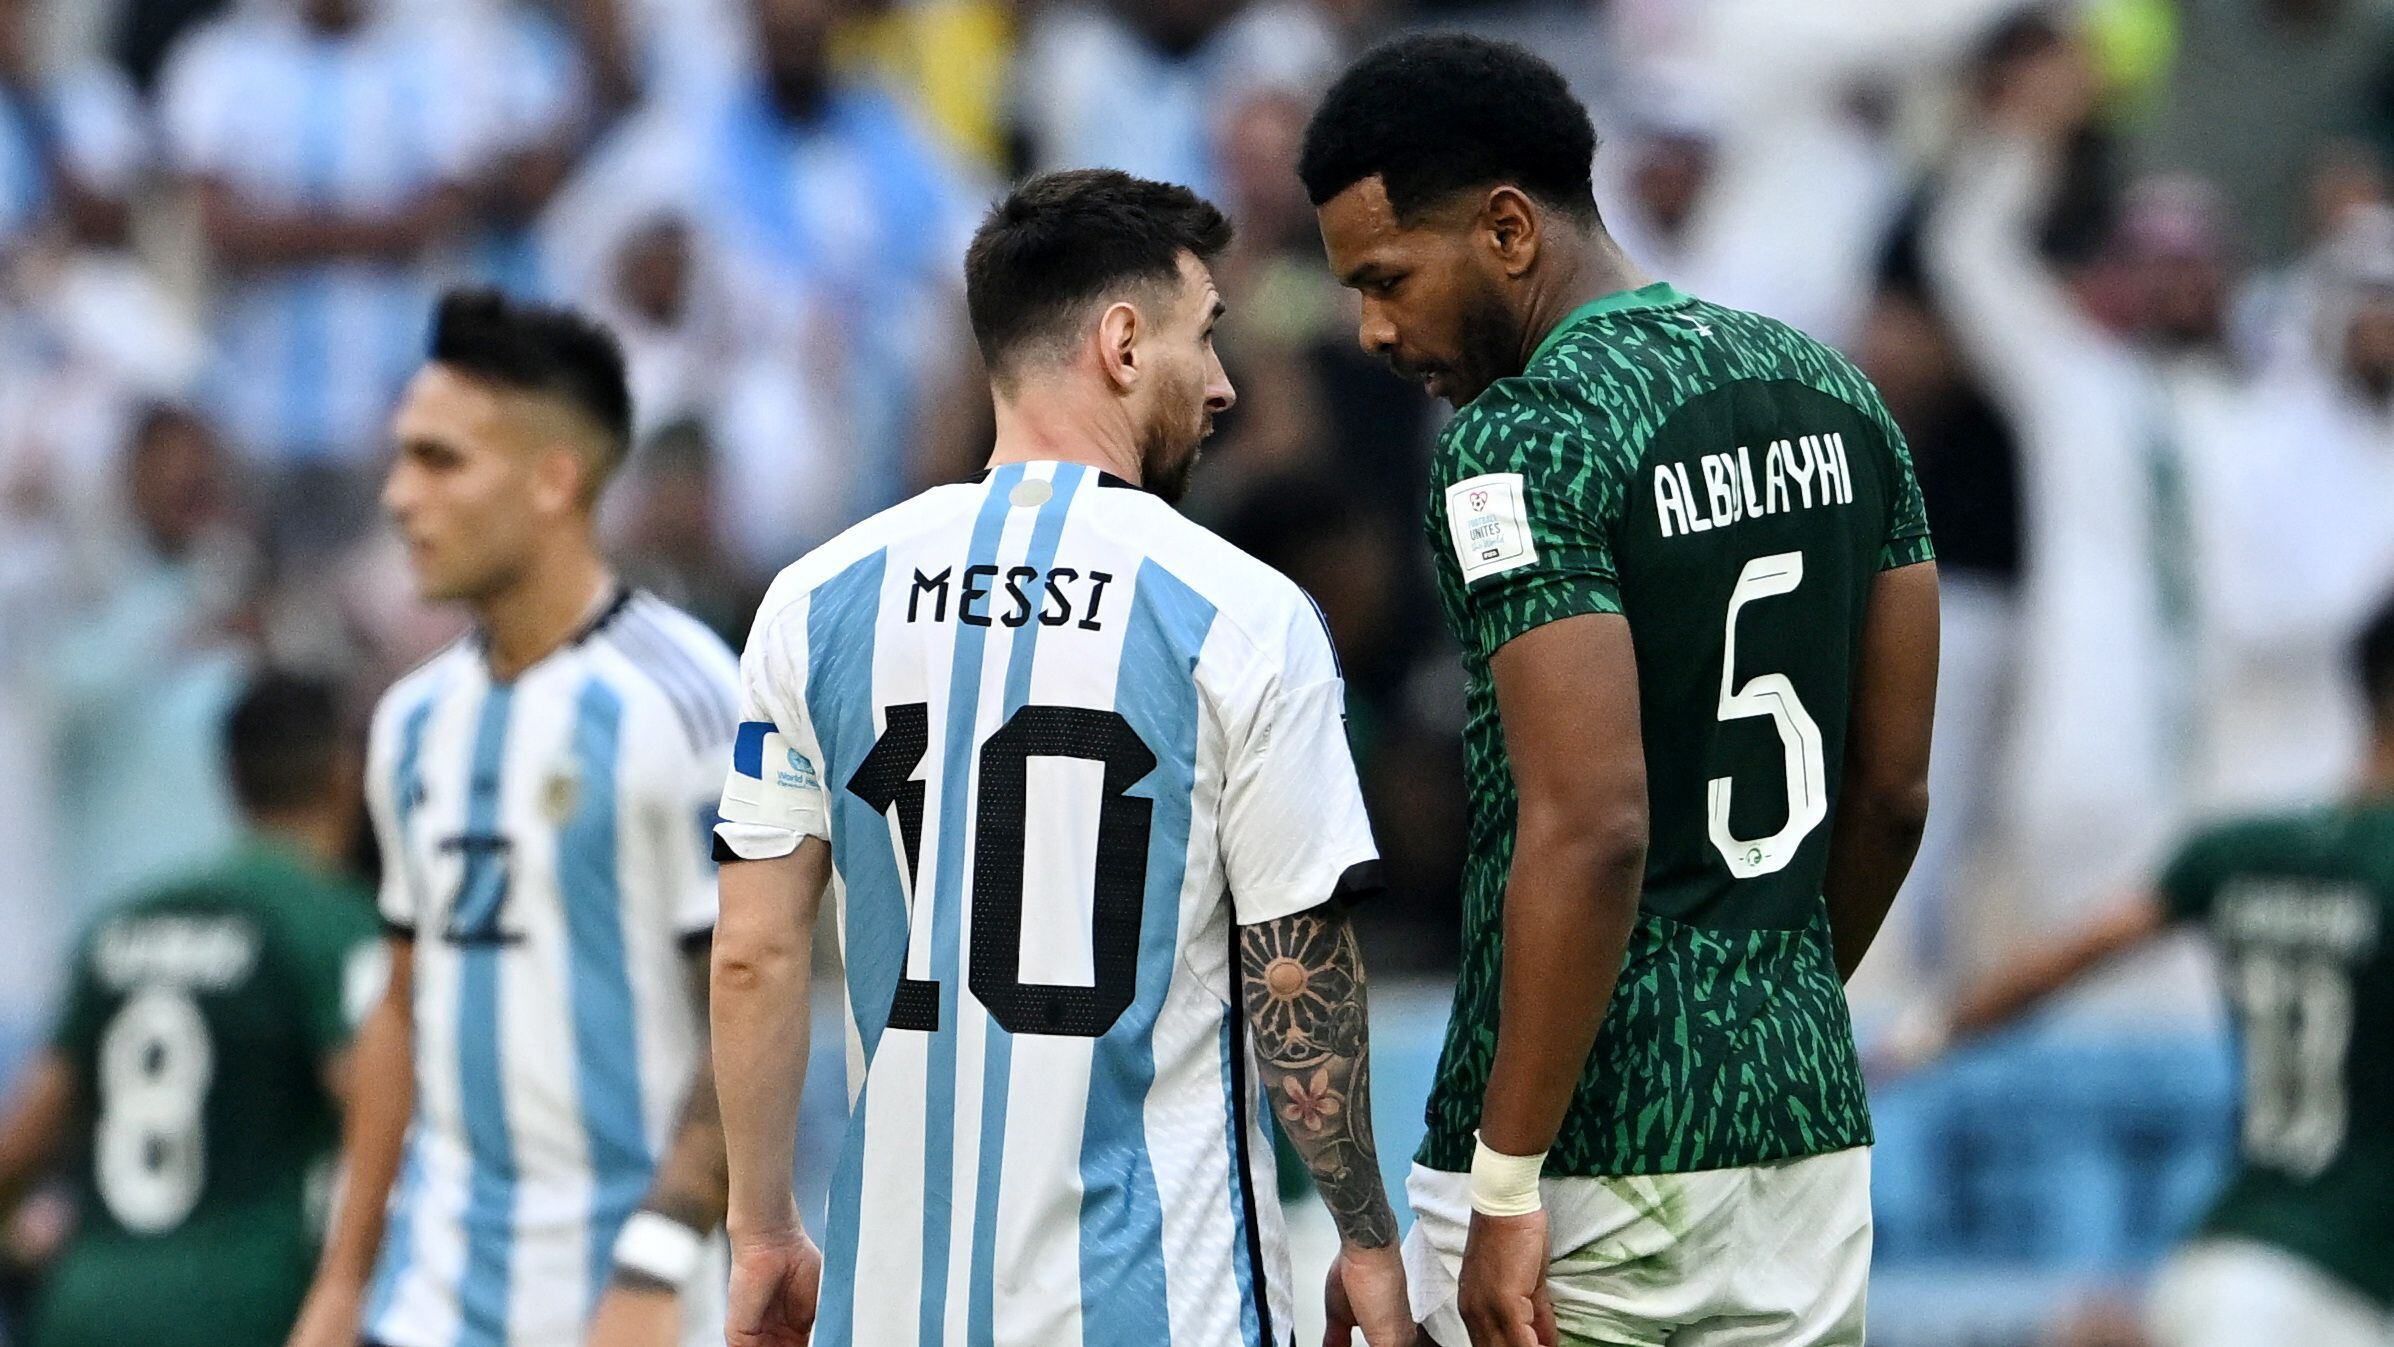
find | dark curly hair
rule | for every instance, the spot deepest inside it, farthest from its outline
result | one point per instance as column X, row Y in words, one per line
column 1440, row 113
column 1061, row 241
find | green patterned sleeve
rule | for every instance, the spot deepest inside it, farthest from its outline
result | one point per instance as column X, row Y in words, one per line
column 1528, row 496
column 1907, row 524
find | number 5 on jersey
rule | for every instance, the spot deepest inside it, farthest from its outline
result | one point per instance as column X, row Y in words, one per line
column 1773, row 695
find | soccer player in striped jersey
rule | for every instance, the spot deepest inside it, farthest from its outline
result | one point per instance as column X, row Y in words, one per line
column 1076, row 774
column 540, row 791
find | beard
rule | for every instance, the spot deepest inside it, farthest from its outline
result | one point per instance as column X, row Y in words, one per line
column 1487, row 340
column 1169, row 444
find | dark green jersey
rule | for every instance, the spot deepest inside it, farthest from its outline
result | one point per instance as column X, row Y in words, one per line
column 2300, row 910
column 198, row 1024
column 1733, row 488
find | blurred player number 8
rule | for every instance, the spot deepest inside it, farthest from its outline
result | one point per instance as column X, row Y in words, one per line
column 886, row 781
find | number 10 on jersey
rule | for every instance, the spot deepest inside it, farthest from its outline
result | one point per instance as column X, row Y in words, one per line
column 886, row 781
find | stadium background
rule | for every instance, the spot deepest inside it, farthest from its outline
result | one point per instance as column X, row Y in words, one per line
column 2147, row 399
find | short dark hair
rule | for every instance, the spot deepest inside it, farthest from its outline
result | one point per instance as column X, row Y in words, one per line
column 1440, row 113
column 2373, row 664
column 538, row 348
column 283, row 742
column 1061, row 241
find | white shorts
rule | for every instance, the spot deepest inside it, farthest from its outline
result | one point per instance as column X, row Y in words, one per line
column 2238, row 1293
column 1774, row 1255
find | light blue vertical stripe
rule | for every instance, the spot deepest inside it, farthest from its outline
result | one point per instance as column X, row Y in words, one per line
column 398, row 1238
column 947, row 911
column 490, row 1195
column 1242, row 1257
column 606, row 1030
column 1122, row 1225
column 998, row 1054
column 840, row 624
column 306, row 427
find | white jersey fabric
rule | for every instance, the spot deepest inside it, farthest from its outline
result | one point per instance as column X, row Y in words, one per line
column 544, row 841
column 1060, row 740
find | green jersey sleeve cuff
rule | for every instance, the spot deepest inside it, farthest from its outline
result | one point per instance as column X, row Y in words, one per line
column 1906, row 552
column 1524, row 604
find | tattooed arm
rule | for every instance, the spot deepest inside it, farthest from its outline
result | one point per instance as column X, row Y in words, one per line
column 1303, row 978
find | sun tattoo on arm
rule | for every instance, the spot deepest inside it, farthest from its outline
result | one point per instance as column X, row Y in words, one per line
column 1303, row 987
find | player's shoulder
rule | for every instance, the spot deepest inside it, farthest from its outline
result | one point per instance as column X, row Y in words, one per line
column 667, row 670
column 671, row 631
column 860, row 544
column 2274, row 838
column 418, row 688
column 1256, row 602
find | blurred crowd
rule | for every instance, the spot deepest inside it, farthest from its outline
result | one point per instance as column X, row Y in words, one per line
column 2123, row 269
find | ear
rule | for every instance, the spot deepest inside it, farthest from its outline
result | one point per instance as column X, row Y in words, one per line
column 1118, row 345
column 560, row 480
column 1509, row 222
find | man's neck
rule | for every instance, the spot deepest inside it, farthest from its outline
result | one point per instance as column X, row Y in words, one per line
column 1585, row 270
column 1041, row 427
column 2377, row 776
column 529, row 620
column 321, row 837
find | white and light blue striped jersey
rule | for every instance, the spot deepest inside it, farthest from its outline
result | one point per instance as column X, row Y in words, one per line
column 310, row 356
column 1062, row 741
column 545, row 841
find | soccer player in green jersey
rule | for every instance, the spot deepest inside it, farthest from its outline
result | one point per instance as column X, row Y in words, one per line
column 193, row 1080
column 1684, row 555
column 2298, row 1251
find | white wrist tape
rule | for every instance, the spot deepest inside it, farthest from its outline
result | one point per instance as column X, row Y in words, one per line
column 660, row 1247
column 1504, row 1185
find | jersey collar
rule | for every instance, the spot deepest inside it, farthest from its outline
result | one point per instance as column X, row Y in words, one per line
column 1660, row 295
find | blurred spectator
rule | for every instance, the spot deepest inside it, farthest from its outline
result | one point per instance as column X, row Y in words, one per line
column 1968, row 465
column 2102, row 707
column 2259, row 90
column 519, row 60
column 2298, row 518
column 71, row 146
column 665, row 299
column 952, row 59
column 331, row 152
column 1145, row 85
column 842, row 228
column 669, row 539
column 140, row 670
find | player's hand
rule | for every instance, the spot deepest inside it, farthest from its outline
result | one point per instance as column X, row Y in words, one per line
column 329, row 1316
column 1366, row 1291
column 774, row 1281
column 637, row 1317
column 1503, row 1295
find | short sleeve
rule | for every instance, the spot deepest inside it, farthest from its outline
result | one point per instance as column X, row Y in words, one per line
column 773, row 796
column 688, row 810
column 396, row 898
column 2190, row 882
column 1907, row 541
column 1292, row 825
column 1527, row 499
